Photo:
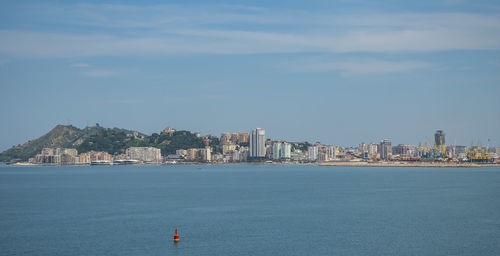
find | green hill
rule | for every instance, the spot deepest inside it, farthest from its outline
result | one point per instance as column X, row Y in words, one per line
column 97, row 138
column 64, row 136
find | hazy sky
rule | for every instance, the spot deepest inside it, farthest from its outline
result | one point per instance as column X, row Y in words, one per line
column 339, row 72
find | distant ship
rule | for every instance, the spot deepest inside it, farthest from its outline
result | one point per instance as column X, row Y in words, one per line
column 125, row 162
column 101, row 163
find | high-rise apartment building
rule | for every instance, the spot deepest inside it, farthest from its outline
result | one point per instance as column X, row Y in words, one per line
column 385, row 149
column 313, row 153
column 206, row 154
column 257, row 144
column 331, row 151
column 277, row 147
column 372, row 150
column 243, row 138
column 286, row 151
column 192, row 154
column 281, row 150
column 145, row 154
column 362, row 148
column 439, row 138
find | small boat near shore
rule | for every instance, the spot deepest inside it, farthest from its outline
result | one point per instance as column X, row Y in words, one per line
column 101, row 163
column 126, row 162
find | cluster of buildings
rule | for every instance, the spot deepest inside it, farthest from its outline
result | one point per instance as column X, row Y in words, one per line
column 70, row 156
column 235, row 148
column 253, row 146
column 233, row 138
column 438, row 151
column 232, row 148
column 192, row 155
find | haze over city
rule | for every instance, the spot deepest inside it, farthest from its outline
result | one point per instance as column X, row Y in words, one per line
column 339, row 72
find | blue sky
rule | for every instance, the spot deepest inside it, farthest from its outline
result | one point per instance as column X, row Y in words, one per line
column 339, row 72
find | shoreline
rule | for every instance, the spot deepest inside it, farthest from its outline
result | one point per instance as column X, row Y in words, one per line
column 323, row 164
column 403, row 164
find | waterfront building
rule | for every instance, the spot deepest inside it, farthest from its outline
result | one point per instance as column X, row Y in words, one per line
column 48, row 159
column 322, row 156
column 276, row 150
column 286, row 151
column 257, row 146
column 82, row 159
column 218, row 158
column 100, row 156
column 312, row 153
column 67, row 159
column 372, row 150
column 192, row 154
column 362, row 148
column 331, row 151
column 385, row 149
column 145, row 154
column 181, row 152
column 205, row 154
column 298, row 155
column 280, row 150
column 56, row 156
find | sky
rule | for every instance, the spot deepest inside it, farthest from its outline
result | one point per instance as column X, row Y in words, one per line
column 339, row 72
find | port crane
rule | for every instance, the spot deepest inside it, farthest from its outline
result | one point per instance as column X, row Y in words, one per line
column 478, row 154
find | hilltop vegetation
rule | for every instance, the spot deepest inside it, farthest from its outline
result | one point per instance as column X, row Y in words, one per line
column 115, row 142
column 111, row 140
column 61, row 136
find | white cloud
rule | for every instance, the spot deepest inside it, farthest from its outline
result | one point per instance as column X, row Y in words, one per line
column 100, row 73
column 177, row 29
column 358, row 67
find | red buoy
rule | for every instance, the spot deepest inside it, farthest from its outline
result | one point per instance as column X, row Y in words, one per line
column 176, row 236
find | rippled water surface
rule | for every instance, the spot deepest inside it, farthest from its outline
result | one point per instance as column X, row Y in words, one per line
column 249, row 210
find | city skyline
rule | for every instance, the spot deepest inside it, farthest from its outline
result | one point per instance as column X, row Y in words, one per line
column 257, row 136
column 431, row 136
column 241, row 148
column 338, row 72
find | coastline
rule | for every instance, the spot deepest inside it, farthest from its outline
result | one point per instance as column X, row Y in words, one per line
column 324, row 164
column 403, row 164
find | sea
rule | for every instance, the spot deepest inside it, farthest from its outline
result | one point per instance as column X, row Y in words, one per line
column 249, row 210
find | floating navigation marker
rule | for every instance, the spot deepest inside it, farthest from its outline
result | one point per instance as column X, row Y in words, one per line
column 176, row 236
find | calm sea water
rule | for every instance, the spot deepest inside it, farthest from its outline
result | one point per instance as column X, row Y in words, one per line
column 249, row 210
